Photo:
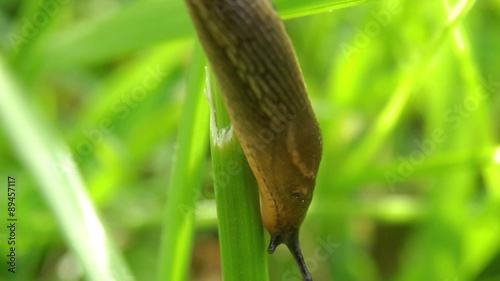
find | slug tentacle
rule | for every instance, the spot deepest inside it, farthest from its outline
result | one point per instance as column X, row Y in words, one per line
column 291, row 240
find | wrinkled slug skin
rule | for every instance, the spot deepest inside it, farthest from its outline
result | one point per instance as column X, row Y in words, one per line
column 262, row 87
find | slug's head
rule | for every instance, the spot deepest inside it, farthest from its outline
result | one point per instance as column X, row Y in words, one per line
column 287, row 186
column 285, row 229
column 284, row 211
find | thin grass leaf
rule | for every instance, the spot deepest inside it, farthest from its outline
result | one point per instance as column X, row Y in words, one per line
column 289, row 9
column 48, row 160
column 143, row 23
column 185, row 178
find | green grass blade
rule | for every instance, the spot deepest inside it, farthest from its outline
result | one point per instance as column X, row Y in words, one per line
column 160, row 20
column 289, row 9
column 185, row 179
column 47, row 159
column 240, row 228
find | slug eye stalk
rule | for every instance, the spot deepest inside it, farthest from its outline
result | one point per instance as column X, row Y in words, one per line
column 292, row 242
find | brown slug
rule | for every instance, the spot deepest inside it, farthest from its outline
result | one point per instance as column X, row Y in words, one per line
column 266, row 98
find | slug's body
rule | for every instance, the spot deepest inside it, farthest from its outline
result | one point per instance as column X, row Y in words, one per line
column 266, row 98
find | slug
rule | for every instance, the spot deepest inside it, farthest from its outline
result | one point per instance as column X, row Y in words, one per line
column 261, row 84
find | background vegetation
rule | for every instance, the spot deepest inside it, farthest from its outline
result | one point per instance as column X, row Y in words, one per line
column 96, row 98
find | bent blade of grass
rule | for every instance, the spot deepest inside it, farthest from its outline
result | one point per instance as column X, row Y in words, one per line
column 289, row 9
column 46, row 157
column 100, row 40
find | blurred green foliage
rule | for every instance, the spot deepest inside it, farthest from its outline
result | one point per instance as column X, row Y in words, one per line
column 406, row 93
